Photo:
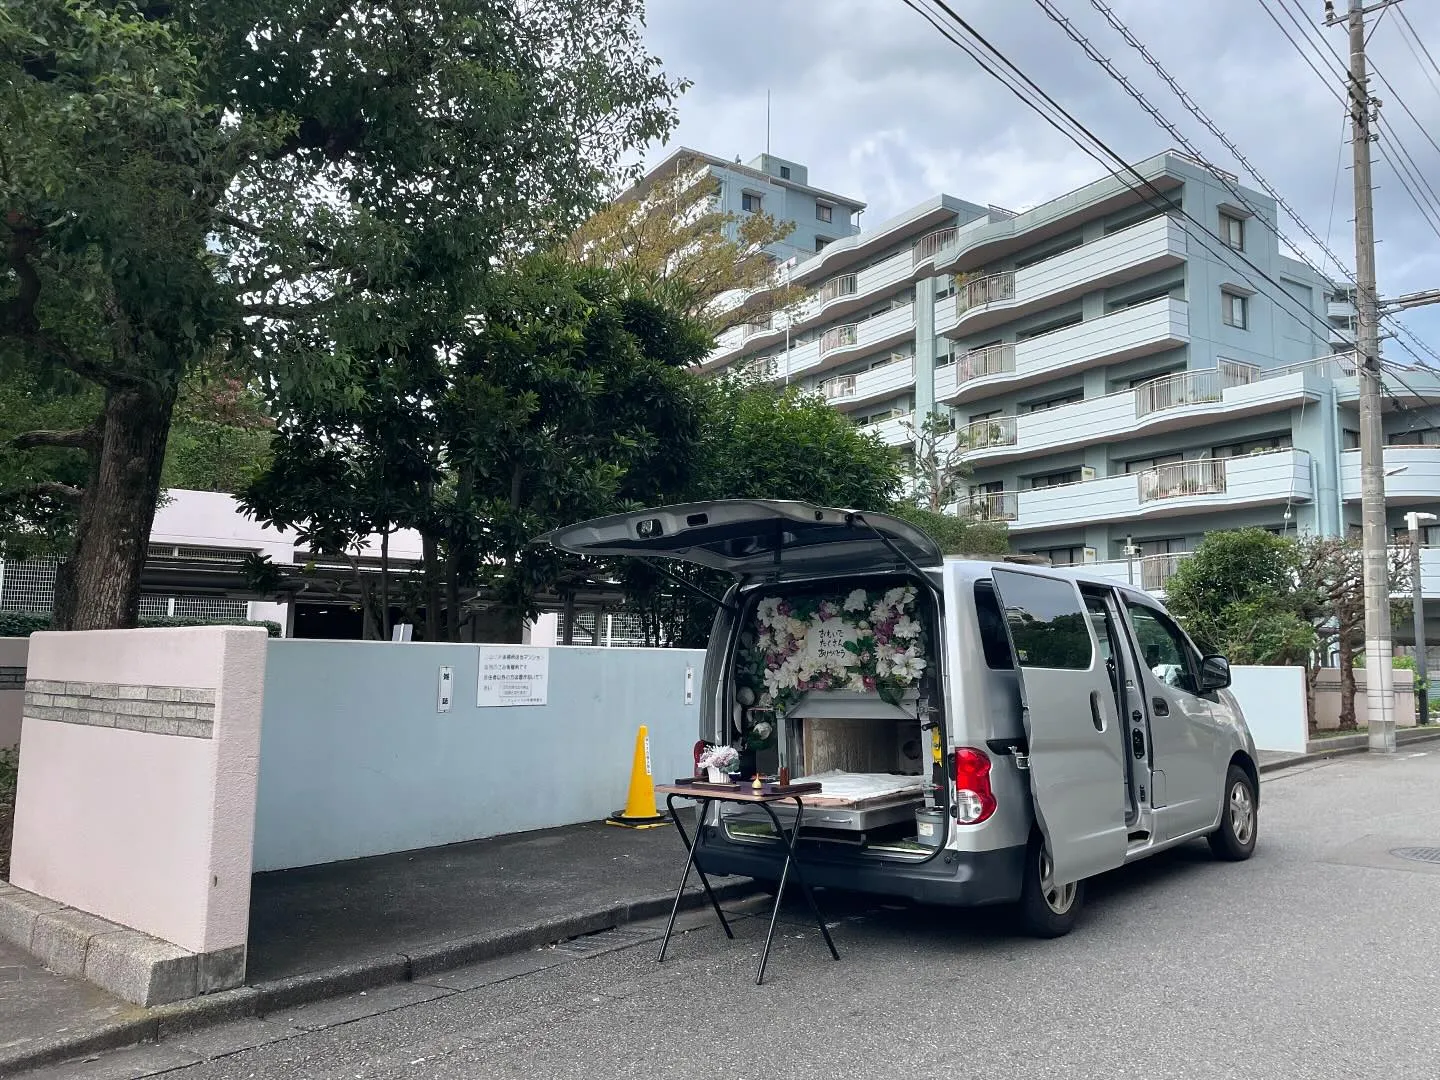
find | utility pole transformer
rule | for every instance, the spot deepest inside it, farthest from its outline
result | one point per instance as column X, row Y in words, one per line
column 1380, row 675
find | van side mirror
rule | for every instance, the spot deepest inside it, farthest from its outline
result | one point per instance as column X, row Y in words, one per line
column 1214, row 674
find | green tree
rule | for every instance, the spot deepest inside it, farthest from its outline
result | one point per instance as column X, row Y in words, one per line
column 300, row 183
column 957, row 535
column 760, row 442
column 668, row 236
column 937, row 469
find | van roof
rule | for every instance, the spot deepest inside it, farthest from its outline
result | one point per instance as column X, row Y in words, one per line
column 976, row 569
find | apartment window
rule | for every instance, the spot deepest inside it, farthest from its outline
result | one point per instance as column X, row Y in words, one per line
column 1351, row 439
column 824, row 212
column 1253, row 446
column 785, row 175
column 945, row 287
column 1169, row 546
column 1141, row 464
column 943, row 355
column 1235, row 310
column 750, row 202
column 1428, row 437
column 1232, row 231
column 1055, row 479
column 1136, row 299
column 1048, row 253
column 976, row 418
column 1429, row 535
column 1050, row 327
column 1055, row 402
column 821, row 241
column 1141, row 380
column 1062, row 556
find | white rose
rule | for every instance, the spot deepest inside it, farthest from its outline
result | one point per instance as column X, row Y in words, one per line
column 762, row 730
column 856, row 601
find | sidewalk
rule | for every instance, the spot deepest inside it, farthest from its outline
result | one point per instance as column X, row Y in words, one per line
column 322, row 931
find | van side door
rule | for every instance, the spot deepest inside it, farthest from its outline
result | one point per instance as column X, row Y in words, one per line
column 1185, row 735
column 1075, row 751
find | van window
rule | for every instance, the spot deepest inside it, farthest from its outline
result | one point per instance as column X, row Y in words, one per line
column 1163, row 648
column 992, row 629
column 1048, row 624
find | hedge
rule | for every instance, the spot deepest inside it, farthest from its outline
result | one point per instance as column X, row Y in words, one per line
column 22, row 624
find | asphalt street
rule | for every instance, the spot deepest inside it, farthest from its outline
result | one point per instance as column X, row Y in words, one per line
column 1316, row 959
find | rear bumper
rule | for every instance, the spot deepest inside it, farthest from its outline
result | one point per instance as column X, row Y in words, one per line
column 951, row 878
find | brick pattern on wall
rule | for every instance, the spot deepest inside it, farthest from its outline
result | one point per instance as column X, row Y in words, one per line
column 12, row 678
column 158, row 710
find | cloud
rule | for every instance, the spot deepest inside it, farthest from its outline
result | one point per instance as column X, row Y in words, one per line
column 880, row 106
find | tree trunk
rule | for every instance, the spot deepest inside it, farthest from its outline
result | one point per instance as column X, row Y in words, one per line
column 1346, row 660
column 99, row 585
column 1312, row 675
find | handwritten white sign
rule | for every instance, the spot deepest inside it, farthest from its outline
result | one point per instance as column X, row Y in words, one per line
column 825, row 641
column 513, row 675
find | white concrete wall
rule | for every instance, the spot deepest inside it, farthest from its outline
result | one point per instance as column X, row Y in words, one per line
column 356, row 759
column 131, row 806
column 1273, row 699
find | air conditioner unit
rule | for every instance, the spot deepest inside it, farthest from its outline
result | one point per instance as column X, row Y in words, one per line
column 1091, row 555
column 1087, row 473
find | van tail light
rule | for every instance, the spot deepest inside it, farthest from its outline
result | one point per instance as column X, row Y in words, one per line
column 974, row 799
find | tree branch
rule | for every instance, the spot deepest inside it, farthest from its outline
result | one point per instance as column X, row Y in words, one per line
column 80, row 439
column 251, row 229
column 56, row 489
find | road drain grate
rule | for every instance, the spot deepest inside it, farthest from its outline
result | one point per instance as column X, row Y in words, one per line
column 1417, row 854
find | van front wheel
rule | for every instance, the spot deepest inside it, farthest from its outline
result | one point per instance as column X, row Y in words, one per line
column 1047, row 910
column 1234, row 840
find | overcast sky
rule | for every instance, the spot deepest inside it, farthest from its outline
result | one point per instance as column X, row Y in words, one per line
column 880, row 106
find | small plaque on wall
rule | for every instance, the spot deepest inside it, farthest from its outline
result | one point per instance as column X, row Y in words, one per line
column 513, row 675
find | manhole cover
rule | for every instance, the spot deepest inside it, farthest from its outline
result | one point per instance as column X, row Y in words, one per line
column 1417, row 854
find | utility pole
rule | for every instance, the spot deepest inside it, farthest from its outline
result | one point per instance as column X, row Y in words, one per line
column 1380, row 674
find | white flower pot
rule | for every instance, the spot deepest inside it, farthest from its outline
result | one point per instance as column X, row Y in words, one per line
column 718, row 776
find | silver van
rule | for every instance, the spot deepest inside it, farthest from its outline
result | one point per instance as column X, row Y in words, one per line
column 984, row 732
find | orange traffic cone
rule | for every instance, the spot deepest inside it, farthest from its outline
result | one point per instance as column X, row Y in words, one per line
column 640, row 810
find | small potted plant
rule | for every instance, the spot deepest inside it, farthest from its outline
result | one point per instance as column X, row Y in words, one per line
column 718, row 762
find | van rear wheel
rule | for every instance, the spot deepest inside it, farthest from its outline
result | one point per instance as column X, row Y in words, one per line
column 1234, row 840
column 1047, row 909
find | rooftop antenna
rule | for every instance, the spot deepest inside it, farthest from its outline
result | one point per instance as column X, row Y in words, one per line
column 767, row 121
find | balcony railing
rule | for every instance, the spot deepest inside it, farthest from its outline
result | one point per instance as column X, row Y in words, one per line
column 759, row 326
column 844, row 386
column 977, row 363
column 1192, row 387
column 1180, row 478
column 836, row 287
column 998, row 431
column 1156, row 570
column 839, row 337
column 1339, row 366
column 984, row 291
column 927, row 247
column 995, row 506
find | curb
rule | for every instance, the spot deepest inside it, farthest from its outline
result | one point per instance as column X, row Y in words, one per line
column 1347, row 745
column 260, row 999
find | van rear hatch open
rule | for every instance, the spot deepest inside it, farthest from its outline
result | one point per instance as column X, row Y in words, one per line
column 753, row 537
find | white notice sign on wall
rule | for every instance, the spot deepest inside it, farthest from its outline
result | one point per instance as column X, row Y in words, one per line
column 513, row 675
column 446, row 692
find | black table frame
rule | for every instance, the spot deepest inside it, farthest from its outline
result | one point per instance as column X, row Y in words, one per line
column 792, row 865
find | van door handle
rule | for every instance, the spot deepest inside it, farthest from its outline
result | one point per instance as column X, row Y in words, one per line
column 1096, row 718
column 1161, row 706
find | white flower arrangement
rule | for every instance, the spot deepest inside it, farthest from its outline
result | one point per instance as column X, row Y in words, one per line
column 724, row 758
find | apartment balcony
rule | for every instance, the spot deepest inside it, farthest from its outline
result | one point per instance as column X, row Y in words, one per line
column 995, row 506
column 1412, row 474
column 987, row 434
column 1152, row 327
column 1132, row 253
column 1149, row 572
column 876, row 384
column 895, row 431
column 928, row 247
column 1185, row 487
column 1340, row 309
column 850, row 341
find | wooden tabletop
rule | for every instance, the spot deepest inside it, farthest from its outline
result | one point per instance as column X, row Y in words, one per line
column 740, row 793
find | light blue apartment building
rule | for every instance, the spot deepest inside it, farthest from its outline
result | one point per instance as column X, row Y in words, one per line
column 1123, row 380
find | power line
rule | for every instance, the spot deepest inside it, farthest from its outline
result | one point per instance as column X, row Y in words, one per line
column 1222, row 251
column 1199, row 114
column 1405, row 23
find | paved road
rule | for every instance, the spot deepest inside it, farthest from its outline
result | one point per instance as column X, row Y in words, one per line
column 1317, row 959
